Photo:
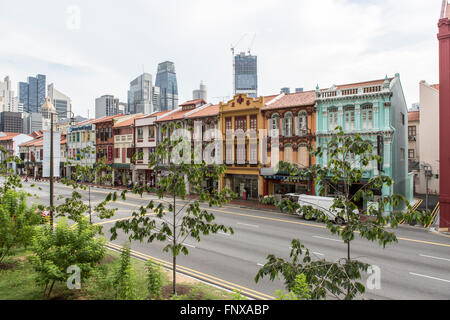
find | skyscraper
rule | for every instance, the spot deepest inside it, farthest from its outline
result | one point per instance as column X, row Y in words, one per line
column 245, row 75
column 61, row 102
column 200, row 93
column 166, row 80
column 32, row 93
column 7, row 100
column 140, row 95
column 106, row 106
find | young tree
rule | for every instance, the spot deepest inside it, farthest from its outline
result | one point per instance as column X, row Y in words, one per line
column 349, row 157
column 56, row 250
column 176, row 219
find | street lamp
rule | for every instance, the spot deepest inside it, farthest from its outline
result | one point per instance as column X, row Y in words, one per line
column 428, row 174
column 72, row 120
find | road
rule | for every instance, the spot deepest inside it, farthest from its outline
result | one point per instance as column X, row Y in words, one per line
column 417, row 267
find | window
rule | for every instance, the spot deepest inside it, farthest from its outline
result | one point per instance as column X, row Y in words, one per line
column 151, row 132
column 412, row 131
column 116, row 153
column 366, row 117
column 140, row 133
column 78, row 137
column 303, row 156
column 402, row 118
column 411, row 154
column 140, row 154
column 228, row 124
column 88, row 136
column 302, row 123
column 332, row 118
column 240, row 123
column 84, row 136
column 288, row 154
column 402, row 154
column 253, row 122
column 109, row 133
column 287, row 125
column 349, row 119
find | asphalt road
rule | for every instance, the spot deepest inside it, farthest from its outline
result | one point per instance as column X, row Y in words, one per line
column 417, row 267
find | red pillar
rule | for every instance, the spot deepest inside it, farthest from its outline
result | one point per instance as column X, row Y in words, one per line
column 444, row 115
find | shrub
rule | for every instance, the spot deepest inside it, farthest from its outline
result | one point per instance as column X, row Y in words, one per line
column 17, row 222
column 269, row 200
column 154, row 279
column 124, row 278
column 65, row 247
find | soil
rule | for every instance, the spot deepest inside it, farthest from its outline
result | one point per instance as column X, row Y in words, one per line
column 8, row 265
column 182, row 290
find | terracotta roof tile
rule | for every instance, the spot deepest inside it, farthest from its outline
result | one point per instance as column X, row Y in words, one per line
column 361, row 84
column 175, row 116
column 206, row 112
column 305, row 98
column 128, row 122
column 414, row 116
column 105, row 119
column 190, row 102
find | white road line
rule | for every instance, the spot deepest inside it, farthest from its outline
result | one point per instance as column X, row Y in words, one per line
column 336, row 240
column 425, row 256
column 318, row 253
column 248, row 225
column 189, row 245
column 260, row 264
column 223, row 233
column 429, row 277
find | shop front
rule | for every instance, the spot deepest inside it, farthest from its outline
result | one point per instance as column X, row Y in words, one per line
column 245, row 186
column 279, row 184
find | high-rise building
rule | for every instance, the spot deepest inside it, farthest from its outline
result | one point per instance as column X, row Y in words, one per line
column 32, row 93
column 61, row 102
column 32, row 122
column 166, row 80
column 285, row 90
column 156, row 98
column 140, row 99
column 11, row 122
column 202, row 93
column 106, row 106
column 246, row 75
column 7, row 98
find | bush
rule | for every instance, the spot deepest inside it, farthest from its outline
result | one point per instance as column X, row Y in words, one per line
column 154, row 279
column 287, row 206
column 269, row 200
column 65, row 247
column 17, row 222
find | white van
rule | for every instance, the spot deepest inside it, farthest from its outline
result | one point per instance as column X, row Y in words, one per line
column 323, row 204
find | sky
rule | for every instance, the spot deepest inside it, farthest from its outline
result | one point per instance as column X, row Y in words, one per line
column 92, row 48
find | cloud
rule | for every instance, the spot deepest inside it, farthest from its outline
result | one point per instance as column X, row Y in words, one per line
column 299, row 43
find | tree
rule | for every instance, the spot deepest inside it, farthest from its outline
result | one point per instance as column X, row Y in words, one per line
column 154, row 279
column 176, row 219
column 56, row 250
column 340, row 278
column 82, row 177
column 124, row 279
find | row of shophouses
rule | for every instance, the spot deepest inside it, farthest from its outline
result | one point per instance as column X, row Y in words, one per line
column 372, row 109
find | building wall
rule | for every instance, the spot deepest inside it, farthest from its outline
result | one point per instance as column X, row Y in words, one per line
column 428, row 137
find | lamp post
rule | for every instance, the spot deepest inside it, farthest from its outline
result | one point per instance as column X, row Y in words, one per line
column 428, row 174
column 52, row 160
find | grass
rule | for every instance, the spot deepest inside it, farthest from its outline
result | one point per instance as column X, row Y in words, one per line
column 17, row 282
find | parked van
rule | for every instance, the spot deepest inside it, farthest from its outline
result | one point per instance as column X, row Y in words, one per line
column 323, row 204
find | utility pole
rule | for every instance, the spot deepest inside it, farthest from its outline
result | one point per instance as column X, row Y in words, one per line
column 51, row 169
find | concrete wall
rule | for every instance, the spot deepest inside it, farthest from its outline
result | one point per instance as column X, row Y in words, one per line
column 428, row 136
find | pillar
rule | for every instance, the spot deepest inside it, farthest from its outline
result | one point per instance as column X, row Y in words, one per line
column 444, row 116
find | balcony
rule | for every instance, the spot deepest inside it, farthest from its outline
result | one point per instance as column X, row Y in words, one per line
column 411, row 138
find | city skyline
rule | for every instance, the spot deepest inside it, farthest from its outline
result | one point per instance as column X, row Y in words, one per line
column 322, row 51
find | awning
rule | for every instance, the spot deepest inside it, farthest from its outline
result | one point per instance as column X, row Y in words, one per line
column 285, row 178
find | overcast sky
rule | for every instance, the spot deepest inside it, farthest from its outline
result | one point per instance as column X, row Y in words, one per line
column 299, row 43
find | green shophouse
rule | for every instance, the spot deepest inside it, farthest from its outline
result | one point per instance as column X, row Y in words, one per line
column 370, row 109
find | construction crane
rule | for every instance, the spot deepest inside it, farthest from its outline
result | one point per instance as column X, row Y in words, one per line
column 251, row 43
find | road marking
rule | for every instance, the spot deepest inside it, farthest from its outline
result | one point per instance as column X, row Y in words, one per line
column 425, row 256
column 336, row 240
column 429, row 277
column 434, row 214
column 260, row 264
column 223, row 233
column 189, row 245
column 248, row 225
column 319, row 226
column 200, row 275
column 318, row 253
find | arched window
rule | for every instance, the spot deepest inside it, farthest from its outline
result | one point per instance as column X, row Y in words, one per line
column 332, row 118
column 349, row 117
column 287, row 124
column 288, row 154
column 366, row 117
column 274, row 122
column 302, row 123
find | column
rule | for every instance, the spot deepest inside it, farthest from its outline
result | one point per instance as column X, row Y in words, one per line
column 357, row 117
